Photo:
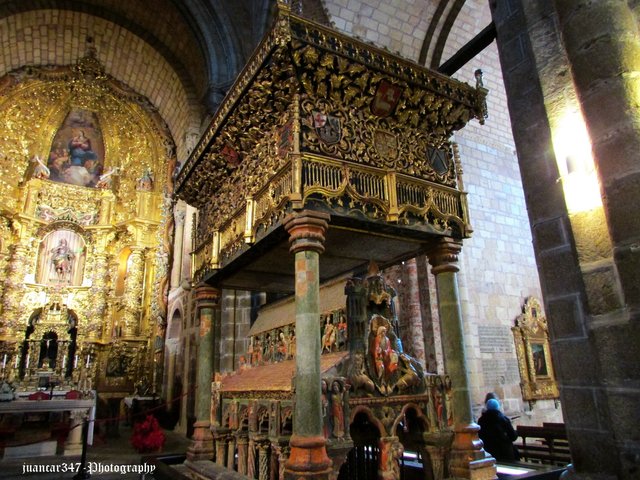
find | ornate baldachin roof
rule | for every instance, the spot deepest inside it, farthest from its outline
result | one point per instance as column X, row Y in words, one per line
column 299, row 57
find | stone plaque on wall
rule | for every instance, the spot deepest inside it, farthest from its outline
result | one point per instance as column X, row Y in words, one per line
column 500, row 371
column 495, row 339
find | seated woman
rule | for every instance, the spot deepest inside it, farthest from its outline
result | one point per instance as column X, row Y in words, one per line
column 497, row 433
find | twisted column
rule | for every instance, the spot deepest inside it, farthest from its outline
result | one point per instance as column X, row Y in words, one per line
column 308, row 458
column 467, row 454
column 208, row 311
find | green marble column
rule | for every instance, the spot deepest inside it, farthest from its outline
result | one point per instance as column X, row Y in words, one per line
column 208, row 311
column 308, row 457
column 468, row 459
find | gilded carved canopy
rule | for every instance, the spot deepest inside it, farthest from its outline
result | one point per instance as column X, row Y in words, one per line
column 319, row 120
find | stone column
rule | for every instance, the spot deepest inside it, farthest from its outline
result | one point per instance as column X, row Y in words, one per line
column 231, row 452
column 605, row 62
column 308, row 458
column 208, row 311
column 73, row 444
column 243, row 445
column 221, row 445
column 467, row 455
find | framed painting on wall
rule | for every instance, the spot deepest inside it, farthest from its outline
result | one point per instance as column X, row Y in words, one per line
column 531, row 336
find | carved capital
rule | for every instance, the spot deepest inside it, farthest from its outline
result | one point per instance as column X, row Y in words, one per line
column 443, row 255
column 306, row 230
column 206, row 294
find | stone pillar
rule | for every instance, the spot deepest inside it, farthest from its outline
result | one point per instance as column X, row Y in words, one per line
column 308, row 457
column 588, row 262
column 221, row 445
column 208, row 310
column 605, row 63
column 73, row 444
column 467, row 458
column 231, row 452
column 243, row 444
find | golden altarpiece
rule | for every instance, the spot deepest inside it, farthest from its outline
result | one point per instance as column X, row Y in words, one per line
column 86, row 168
column 337, row 153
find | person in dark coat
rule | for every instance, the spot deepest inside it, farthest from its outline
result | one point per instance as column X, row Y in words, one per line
column 497, row 433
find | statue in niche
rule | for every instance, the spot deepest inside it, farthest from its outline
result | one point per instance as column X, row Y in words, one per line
column 62, row 259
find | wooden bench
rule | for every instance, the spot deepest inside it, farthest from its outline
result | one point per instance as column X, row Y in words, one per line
column 547, row 444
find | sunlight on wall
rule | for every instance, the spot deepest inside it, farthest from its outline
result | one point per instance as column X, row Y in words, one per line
column 575, row 163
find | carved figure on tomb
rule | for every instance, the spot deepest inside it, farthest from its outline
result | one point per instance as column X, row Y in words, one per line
column 292, row 344
column 342, row 332
column 329, row 335
column 325, row 408
column 337, row 409
column 283, row 347
column 359, row 379
column 391, row 370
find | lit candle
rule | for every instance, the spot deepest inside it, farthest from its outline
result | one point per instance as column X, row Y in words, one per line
column 28, row 359
column 88, row 361
column 16, row 364
column 64, row 362
column 4, row 361
column 75, row 362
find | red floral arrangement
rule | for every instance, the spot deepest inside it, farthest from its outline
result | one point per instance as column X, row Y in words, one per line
column 147, row 435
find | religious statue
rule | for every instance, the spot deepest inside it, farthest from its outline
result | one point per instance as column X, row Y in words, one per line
column 40, row 171
column 337, row 409
column 62, row 259
column 359, row 379
column 329, row 336
column 325, row 408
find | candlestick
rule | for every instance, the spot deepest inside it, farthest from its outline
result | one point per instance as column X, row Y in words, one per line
column 64, row 362
column 88, row 361
column 75, row 362
column 16, row 364
column 28, row 354
column 4, row 361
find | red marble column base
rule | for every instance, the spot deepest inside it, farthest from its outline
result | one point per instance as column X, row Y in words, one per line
column 468, row 459
column 201, row 447
column 308, row 459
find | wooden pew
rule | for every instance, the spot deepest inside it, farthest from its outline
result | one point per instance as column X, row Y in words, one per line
column 547, row 444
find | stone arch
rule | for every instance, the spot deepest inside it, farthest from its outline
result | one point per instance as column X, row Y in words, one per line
column 366, row 411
